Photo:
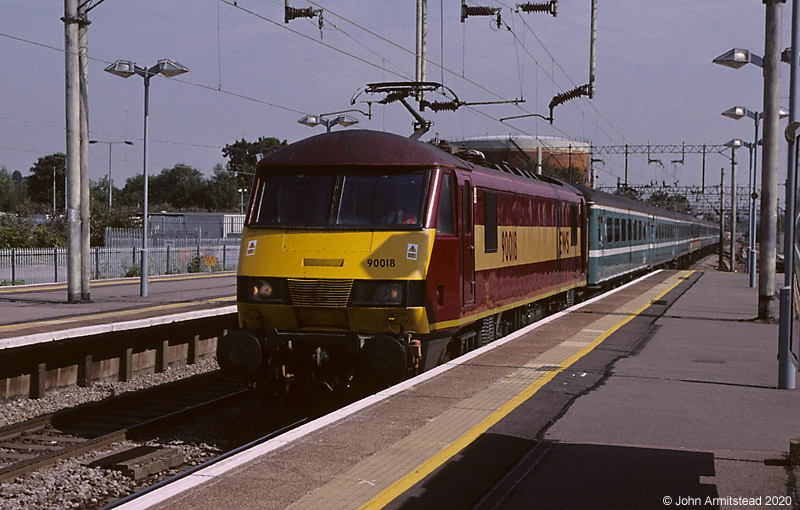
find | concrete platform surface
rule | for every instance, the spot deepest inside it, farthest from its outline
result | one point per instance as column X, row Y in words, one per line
column 695, row 413
column 36, row 309
column 661, row 394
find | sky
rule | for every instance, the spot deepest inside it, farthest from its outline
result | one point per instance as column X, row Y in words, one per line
column 253, row 75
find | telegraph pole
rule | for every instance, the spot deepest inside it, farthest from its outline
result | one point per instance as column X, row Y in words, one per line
column 767, row 309
column 83, row 58
column 72, row 78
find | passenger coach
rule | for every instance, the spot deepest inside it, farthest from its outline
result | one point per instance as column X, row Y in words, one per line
column 626, row 237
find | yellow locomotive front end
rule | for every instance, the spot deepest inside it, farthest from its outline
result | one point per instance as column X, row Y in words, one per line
column 331, row 278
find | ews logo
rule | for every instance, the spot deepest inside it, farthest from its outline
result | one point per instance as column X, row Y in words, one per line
column 508, row 241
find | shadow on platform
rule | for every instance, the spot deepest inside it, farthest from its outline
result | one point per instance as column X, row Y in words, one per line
column 561, row 475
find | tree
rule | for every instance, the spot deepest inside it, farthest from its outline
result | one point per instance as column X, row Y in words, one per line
column 40, row 184
column 221, row 192
column 117, row 217
column 243, row 157
column 179, row 187
column 13, row 196
column 14, row 232
column 628, row 192
column 671, row 202
column 568, row 174
column 133, row 192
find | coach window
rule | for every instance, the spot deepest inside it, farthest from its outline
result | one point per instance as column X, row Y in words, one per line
column 490, row 222
column 616, row 230
column 609, row 230
column 444, row 222
column 624, row 230
column 600, row 231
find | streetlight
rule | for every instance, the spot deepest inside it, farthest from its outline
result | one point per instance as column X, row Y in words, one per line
column 733, row 144
column 125, row 69
column 736, row 113
column 737, row 58
column 316, row 120
column 127, row 142
column 242, row 191
column 751, row 211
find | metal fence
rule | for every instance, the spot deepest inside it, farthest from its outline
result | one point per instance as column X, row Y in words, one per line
column 122, row 257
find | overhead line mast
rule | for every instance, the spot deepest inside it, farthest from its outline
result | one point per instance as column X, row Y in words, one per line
column 588, row 89
column 421, row 50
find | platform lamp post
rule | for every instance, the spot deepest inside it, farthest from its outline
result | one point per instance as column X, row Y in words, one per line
column 733, row 144
column 316, row 120
column 125, row 69
column 736, row 58
column 751, row 208
column 241, row 191
column 736, row 113
column 126, row 142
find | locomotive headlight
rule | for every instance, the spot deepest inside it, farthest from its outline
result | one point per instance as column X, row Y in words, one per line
column 378, row 293
column 262, row 290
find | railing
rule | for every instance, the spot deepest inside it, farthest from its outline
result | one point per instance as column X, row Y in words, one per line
column 20, row 266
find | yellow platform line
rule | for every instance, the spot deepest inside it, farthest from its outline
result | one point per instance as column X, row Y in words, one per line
column 105, row 283
column 375, row 480
column 116, row 313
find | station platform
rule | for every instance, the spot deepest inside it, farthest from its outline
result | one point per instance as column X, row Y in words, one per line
column 31, row 313
column 660, row 394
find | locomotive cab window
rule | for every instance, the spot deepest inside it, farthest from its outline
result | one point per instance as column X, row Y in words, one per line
column 490, row 221
column 357, row 200
column 444, row 221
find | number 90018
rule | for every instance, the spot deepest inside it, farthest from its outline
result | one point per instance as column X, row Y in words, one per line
column 380, row 262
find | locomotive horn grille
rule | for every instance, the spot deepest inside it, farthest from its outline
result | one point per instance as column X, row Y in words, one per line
column 325, row 293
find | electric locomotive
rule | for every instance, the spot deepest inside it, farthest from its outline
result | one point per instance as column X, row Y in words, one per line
column 367, row 257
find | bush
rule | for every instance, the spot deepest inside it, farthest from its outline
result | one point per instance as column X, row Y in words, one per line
column 14, row 232
column 134, row 270
column 196, row 265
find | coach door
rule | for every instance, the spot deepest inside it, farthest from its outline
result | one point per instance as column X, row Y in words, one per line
column 468, row 244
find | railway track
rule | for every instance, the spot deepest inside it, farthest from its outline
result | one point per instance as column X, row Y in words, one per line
column 43, row 441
